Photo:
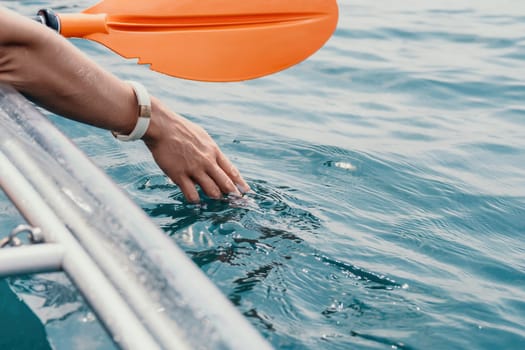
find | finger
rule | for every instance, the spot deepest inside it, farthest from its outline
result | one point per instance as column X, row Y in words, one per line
column 187, row 187
column 232, row 172
column 208, row 185
column 223, row 181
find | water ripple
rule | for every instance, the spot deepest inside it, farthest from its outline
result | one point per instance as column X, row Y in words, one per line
column 388, row 180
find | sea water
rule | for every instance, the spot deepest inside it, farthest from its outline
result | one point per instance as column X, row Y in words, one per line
column 388, row 178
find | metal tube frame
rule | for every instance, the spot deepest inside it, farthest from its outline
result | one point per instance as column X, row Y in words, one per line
column 31, row 259
column 116, row 315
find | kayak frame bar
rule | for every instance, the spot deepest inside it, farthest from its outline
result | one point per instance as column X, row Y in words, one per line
column 116, row 315
column 36, row 258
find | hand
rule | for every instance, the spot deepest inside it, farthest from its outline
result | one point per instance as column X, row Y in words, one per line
column 189, row 156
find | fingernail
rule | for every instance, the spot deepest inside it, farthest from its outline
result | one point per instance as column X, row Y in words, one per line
column 236, row 192
column 242, row 189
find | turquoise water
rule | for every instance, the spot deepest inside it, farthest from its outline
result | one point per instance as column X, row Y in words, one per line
column 389, row 184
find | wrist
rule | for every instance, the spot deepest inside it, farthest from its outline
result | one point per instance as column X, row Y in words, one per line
column 159, row 116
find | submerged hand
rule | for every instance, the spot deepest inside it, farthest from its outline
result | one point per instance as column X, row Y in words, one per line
column 189, row 156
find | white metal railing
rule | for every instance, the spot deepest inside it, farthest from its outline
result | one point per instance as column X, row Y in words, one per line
column 144, row 289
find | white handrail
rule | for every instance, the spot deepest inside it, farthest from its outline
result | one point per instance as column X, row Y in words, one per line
column 105, row 300
column 31, row 259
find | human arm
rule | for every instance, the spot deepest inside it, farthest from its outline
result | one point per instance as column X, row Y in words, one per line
column 59, row 77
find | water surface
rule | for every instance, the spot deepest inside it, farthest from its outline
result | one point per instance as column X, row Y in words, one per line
column 388, row 177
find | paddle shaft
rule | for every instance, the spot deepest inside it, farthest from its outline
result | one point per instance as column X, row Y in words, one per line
column 72, row 25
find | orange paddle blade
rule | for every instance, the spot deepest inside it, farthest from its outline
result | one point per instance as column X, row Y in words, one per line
column 208, row 40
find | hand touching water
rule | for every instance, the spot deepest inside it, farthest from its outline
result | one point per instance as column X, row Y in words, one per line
column 189, row 156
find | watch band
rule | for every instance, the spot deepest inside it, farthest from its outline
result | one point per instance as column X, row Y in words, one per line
column 144, row 117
